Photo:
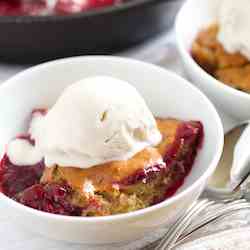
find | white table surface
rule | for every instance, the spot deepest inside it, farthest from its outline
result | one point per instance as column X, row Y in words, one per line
column 161, row 51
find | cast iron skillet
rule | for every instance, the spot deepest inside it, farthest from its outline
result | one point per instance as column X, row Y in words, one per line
column 27, row 39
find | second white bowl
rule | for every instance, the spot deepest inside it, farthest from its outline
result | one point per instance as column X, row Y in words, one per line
column 193, row 16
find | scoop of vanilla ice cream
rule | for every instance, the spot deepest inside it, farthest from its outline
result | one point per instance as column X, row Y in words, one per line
column 96, row 120
column 234, row 26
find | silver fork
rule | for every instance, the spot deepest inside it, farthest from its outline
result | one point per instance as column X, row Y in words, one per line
column 181, row 231
column 182, row 223
column 214, row 216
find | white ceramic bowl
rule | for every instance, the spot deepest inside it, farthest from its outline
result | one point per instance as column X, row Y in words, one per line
column 193, row 16
column 167, row 95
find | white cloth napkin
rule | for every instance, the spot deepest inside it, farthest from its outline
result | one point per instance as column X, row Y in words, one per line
column 228, row 240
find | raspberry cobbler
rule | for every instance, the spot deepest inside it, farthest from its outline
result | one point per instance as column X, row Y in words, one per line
column 232, row 69
column 151, row 176
column 98, row 151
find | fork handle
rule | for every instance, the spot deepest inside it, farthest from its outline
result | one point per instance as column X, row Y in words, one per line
column 169, row 240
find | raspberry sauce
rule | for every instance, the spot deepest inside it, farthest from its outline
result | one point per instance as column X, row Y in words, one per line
column 50, row 198
column 15, row 179
column 41, row 7
column 22, row 7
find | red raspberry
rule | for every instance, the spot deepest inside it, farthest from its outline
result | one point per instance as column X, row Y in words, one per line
column 73, row 6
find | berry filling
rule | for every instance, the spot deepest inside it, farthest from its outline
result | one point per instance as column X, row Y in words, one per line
column 143, row 175
column 15, row 179
column 41, row 7
column 22, row 7
column 51, row 198
column 181, row 155
column 72, row 6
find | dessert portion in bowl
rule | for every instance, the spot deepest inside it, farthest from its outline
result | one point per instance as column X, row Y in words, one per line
column 51, row 7
column 98, row 151
column 223, row 48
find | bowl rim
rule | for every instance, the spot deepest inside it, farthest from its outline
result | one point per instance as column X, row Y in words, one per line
column 123, row 7
column 197, row 69
column 195, row 185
